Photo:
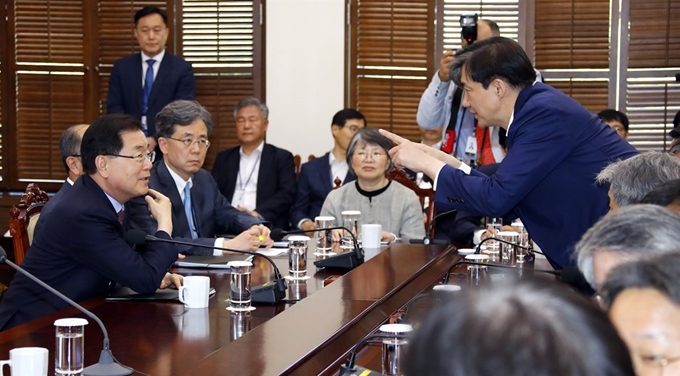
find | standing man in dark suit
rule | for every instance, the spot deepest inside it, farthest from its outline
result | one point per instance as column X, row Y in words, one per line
column 199, row 211
column 318, row 177
column 256, row 177
column 80, row 249
column 143, row 83
column 556, row 148
column 69, row 148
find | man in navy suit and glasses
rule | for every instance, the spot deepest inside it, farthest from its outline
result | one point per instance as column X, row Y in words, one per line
column 556, row 148
column 199, row 211
column 143, row 83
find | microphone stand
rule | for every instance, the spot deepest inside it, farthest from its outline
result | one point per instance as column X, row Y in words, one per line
column 343, row 261
column 106, row 366
column 269, row 293
column 427, row 240
column 479, row 246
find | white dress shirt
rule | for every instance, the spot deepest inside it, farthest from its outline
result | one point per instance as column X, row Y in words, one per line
column 156, row 65
column 180, row 184
column 245, row 193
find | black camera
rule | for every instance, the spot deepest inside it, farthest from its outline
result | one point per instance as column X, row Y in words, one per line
column 468, row 21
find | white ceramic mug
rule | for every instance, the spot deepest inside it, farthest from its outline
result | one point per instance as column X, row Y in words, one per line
column 195, row 291
column 27, row 361
column 370, row 236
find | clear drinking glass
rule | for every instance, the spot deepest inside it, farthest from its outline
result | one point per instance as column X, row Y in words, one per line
column 493, row 227
column 324, row 239
column 476, row 273
column 240, row 287
column 70, row 346
column 350, row 220
column 393, row 348
column 524, row 241
column 509, row 251
column 297, row 256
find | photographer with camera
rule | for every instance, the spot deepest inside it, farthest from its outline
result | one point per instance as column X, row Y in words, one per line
column 462, row 138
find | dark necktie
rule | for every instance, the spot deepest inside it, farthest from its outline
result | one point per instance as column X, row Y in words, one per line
column 148, row 84
column 121, row 216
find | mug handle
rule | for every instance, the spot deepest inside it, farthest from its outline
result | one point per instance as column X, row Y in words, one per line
column 2, row 365
column 181, row 297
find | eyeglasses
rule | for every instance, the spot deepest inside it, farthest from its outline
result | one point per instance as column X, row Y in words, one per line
column 151, row 156
column 188, row 142
column 363, row 155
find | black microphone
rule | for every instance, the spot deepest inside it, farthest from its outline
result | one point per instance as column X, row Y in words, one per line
column 350, row 369
column 106, row 365
column 427, row 240
column 557, row 273
column 344, row 261
column 479, row 246
column 269, row 293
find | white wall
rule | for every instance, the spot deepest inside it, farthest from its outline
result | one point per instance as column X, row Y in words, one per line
column 305, row 72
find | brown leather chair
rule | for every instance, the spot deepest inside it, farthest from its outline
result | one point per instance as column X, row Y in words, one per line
column 401, row 177
column 23, row 218
column 298, row 163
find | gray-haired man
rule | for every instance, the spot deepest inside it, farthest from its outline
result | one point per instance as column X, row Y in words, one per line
column 628, row 234
column 199, row 211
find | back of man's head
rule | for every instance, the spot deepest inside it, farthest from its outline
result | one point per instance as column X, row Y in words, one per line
column 103, row 137
column 528, row 328
column 341, row 117
column 181, row 113
column 492, row 58
column 631, row 233
column 69, row 143
column 630, row 180
column 665, row 194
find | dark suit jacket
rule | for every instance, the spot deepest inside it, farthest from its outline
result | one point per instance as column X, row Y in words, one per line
column 212, row 212
column 81, row 251
column 58, row 197
column 174, row 80
column 555, row 150
column 313, row 185
column 275, row 182
column 461, row 226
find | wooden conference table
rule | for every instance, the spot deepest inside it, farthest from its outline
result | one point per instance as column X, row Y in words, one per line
column 310, row 337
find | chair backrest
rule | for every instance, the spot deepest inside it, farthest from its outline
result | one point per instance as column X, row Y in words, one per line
column 401, row 177
column 298, row 163
column 23, row 218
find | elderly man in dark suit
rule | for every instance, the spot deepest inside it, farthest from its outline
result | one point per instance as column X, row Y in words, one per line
column 258, row 178
column 555, row 149
column 317, row 178
column 143, row 83
column 80, row 249
column 199, row 210
column 69, row 148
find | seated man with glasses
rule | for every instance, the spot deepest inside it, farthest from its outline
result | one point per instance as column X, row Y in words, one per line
column 199, row 210
column 80, row 249
column 643, row 299
column 380, row 200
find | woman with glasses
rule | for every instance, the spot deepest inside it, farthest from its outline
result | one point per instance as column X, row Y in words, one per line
column 380, row 200
column 643, row 299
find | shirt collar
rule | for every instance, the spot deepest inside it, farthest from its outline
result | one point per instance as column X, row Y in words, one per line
column 71, row 182
column 331, row 159
column 512, row 118
column 179, row 182
column 257, row 150
column 117, row 206
column 158, row 57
